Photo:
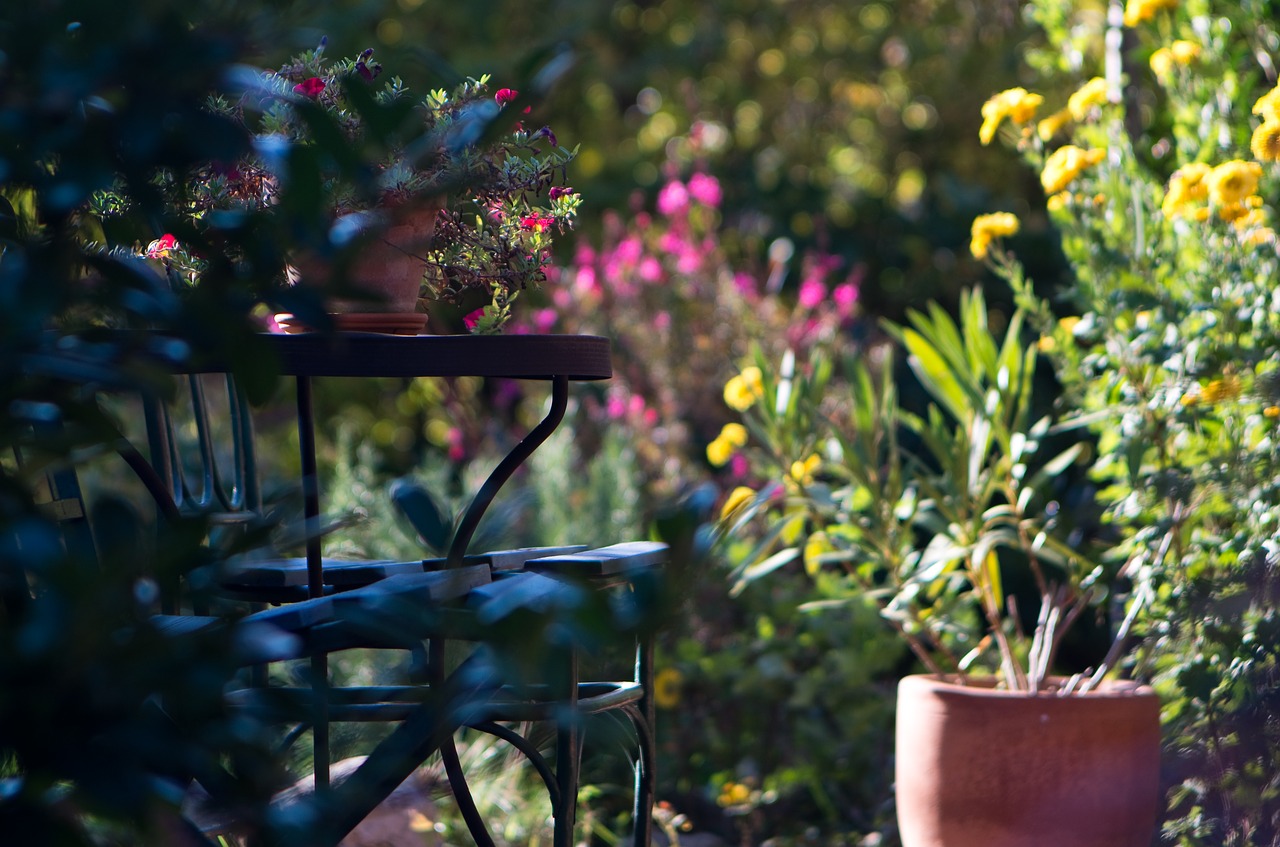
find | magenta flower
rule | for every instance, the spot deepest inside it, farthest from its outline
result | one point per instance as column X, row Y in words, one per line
column 845, row 296
column 673, row 199
column 744, row 283
column 473, row 318
column 558, row 191
column 812, row 293
column 310, row 87
column 705, row 189
column 650, row 269
column 505, row 95
column 537, row 222
column 160, row 248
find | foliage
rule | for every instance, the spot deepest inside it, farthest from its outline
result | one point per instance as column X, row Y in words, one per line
column 680, row 304
column 1162, row 182
column 948, row 518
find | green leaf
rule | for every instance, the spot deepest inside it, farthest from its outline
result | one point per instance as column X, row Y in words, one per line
column 780, row 559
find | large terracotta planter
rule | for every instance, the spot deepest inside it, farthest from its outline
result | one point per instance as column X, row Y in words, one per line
column 979, row 767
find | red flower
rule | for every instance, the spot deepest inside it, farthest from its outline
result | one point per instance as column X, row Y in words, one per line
column 310, row 87
column 159, row 249
column 538, row 222
column 473, row 318
column 505, row 95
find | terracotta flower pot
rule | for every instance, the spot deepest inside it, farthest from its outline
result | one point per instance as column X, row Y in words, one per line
column 389, row 269
column 978, row 767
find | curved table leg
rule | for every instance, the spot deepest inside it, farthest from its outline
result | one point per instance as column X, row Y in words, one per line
column 508, row 466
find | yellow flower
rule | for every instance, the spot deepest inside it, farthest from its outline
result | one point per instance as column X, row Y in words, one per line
column 1265, row 143
column 1246, row 215
column 1058, row 201
column 987, row 228
column 1271, row 412
column 1016, row 104
column 733, row 794
column 802, row 472
column 734, row 433
column 1218, row 390
column 720, row 451
column 1232, row 182
column 1046, row 344
column 1184, row 52
column 742, row 391
column 737, row 498
column 1260, row 237
column 1050, row 126
column 666, row 688
column 1092, row 93
column 1065, row 164
column 1161, row 63
column 1268, row 105
column 1137, row 11
column 1186, row 186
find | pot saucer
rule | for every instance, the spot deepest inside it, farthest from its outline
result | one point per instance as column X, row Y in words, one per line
column 389, row 323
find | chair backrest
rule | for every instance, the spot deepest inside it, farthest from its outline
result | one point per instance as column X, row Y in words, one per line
column 217, row 474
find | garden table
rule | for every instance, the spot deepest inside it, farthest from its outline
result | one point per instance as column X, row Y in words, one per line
column 557, row 359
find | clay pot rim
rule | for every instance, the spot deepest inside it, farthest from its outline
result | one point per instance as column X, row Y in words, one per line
column 985, row 687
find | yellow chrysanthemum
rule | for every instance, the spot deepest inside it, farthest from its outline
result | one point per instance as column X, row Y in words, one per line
column 1265, row 143
column 1016, row 104
column 1052, row 125
column 1161, row 63
column 1271, row 412
column 720, row 451
column 987, row 228
column 1137, row 11
column 1268, row 105
column 666, row 688
column 737, row 498
column 1263, row 236
column 1220, row 390
column 742, row 391
column 803, row 471
column 1232, row 182
column 1250, row 218
column 1186, row 187
column 734, row 433
column 1065, row 164
column 1184, row 52
column 1092, row 93
column 733, row 794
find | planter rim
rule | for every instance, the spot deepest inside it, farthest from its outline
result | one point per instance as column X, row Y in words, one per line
column 985, row 687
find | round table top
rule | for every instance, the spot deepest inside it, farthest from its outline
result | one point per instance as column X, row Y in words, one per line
column 578, row 357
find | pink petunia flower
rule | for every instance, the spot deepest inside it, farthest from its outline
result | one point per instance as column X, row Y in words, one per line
column 812, row 293
column 650, row 269
column 310, row 87
column 473, row 318
column 673, row 199
column 705, row 189
column 505, row 95
column 845, row 297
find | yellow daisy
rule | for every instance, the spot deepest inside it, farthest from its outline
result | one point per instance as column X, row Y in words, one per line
column 1268, row 105
column 1232, row 182
column 1092, row 93
column 987, row 228
column 742, row 391
column 1065, row 164
column 1137, row 11
column 1016, row 104
column 1265, row 143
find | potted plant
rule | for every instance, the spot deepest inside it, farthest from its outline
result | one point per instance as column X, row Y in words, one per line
column 446, row 196
column 956, row 516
